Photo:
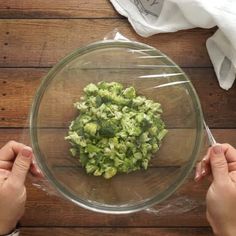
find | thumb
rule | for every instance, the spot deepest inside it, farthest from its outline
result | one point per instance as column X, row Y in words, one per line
column 21, row 166
column 219, row 164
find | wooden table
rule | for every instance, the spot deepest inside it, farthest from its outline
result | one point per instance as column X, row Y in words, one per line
column 34, row 35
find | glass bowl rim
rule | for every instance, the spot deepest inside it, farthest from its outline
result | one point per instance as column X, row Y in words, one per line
column 102, row 208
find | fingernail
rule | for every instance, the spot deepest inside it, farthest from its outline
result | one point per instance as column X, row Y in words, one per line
column 26, row 152
column 203, row 167
column 217, row 149
column 197, row 177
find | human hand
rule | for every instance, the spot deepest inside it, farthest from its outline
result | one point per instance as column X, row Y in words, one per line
column 220, row 161
column 15, row 162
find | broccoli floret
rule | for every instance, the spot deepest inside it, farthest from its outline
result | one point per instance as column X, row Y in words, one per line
column 92, row 148
column 91, row 89
column 162, row 134
column 90, row 168
column 73, row 151
column 129, row 93
column 91, row 128
column 109, row 172
column 107, row 130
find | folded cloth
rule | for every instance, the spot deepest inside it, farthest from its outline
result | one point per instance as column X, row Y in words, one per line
column 150, row 17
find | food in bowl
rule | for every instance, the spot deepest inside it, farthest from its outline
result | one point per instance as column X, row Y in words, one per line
column 116, row 131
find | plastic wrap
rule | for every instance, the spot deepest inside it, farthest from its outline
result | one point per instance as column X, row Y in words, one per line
column 176, row 206
column 36, row 179
column 179, row 203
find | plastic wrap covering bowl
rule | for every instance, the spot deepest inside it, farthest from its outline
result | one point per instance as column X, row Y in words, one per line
column 153, row 75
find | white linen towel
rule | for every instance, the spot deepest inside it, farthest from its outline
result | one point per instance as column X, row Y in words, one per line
column 150, row 17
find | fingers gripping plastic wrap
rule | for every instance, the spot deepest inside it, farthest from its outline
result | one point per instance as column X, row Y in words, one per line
column 36, row 176
column 116, row 127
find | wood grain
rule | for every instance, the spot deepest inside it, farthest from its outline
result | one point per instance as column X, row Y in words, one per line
column 216, row 102
column 218, row 105
column 40, row 43
column 116, row 231
column 57, row 9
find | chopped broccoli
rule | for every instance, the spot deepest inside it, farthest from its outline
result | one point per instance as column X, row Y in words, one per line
column 92, row 148
column 116, row 131
column 91, row 89
column 109, row 172
column 129, row 93
column 91, row 128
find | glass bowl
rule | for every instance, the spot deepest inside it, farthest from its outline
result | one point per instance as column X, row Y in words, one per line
column 153, row 75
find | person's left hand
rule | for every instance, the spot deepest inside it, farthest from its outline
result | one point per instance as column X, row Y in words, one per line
column 15, row 162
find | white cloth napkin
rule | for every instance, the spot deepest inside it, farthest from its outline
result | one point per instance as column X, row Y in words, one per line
column 150, row 17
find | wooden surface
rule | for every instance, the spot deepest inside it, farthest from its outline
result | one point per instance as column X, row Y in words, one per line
column 34, row 35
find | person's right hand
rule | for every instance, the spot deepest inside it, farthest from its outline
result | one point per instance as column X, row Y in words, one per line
column 220, row 161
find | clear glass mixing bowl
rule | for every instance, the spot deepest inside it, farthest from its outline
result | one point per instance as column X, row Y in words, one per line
column 153, row 75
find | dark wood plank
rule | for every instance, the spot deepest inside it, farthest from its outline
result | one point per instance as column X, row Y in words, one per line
column 218, row 105
column 116, row 231
column 37, row 43
column 57, row 9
